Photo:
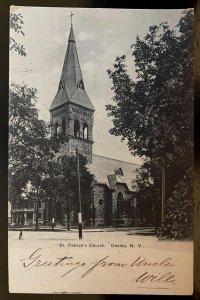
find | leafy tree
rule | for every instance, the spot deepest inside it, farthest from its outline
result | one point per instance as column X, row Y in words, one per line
column 145, row 192
column 29, row 149
column 154, row 112
column 26, row 131
column 178, row 223
column 62, row 185
column 16, row 22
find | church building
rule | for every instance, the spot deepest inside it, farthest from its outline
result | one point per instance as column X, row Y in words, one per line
column 72, row 117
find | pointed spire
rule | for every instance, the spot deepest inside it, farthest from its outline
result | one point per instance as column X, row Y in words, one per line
column 71, row 35
column 71, row 87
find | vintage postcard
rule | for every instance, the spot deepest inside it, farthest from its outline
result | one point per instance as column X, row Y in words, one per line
column 100, row 151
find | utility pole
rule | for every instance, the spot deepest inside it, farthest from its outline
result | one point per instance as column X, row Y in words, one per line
column 36, row 210
column 79, row 197
column 163, row 195
column 93, row 209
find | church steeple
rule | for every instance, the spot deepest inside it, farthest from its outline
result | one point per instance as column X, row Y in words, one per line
column 72, row 112
column 71, row 86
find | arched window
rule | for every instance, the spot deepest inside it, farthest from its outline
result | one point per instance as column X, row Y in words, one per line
column 85, row 131
column 56, row 130
column 120, row 203
column 76, row 129
column 63, row 126
column 100, row 201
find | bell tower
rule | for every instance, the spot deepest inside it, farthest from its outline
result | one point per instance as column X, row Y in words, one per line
column 72, row 112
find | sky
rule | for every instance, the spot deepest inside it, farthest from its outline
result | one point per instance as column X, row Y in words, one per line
column 101, row 35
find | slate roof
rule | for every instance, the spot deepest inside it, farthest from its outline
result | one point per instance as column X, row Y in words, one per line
column 71, row 86
column 102, row 166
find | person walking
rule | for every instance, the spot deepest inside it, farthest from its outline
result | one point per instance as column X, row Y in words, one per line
column 20, row 235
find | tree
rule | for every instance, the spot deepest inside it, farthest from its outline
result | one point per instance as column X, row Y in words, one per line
column 62, row 184
column 29, row 148
column 145, row 192
column 26, row 131
column 154, row 112
column 178, row 223
column 16, row 22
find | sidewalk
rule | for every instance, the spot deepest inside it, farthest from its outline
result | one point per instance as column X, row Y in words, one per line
column 129, row 230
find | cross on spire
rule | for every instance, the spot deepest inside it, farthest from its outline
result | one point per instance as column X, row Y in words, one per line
column 71, row 17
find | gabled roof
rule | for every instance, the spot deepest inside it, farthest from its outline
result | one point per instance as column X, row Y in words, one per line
column 102, row 167
column 71, row 86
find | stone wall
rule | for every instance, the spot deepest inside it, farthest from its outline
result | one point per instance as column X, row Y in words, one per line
column 116, row 218
column 101, row 200
column 69, row 113
column 84, row 147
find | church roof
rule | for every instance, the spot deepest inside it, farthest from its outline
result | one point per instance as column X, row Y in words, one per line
column 102, row 167
column 71, row 86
